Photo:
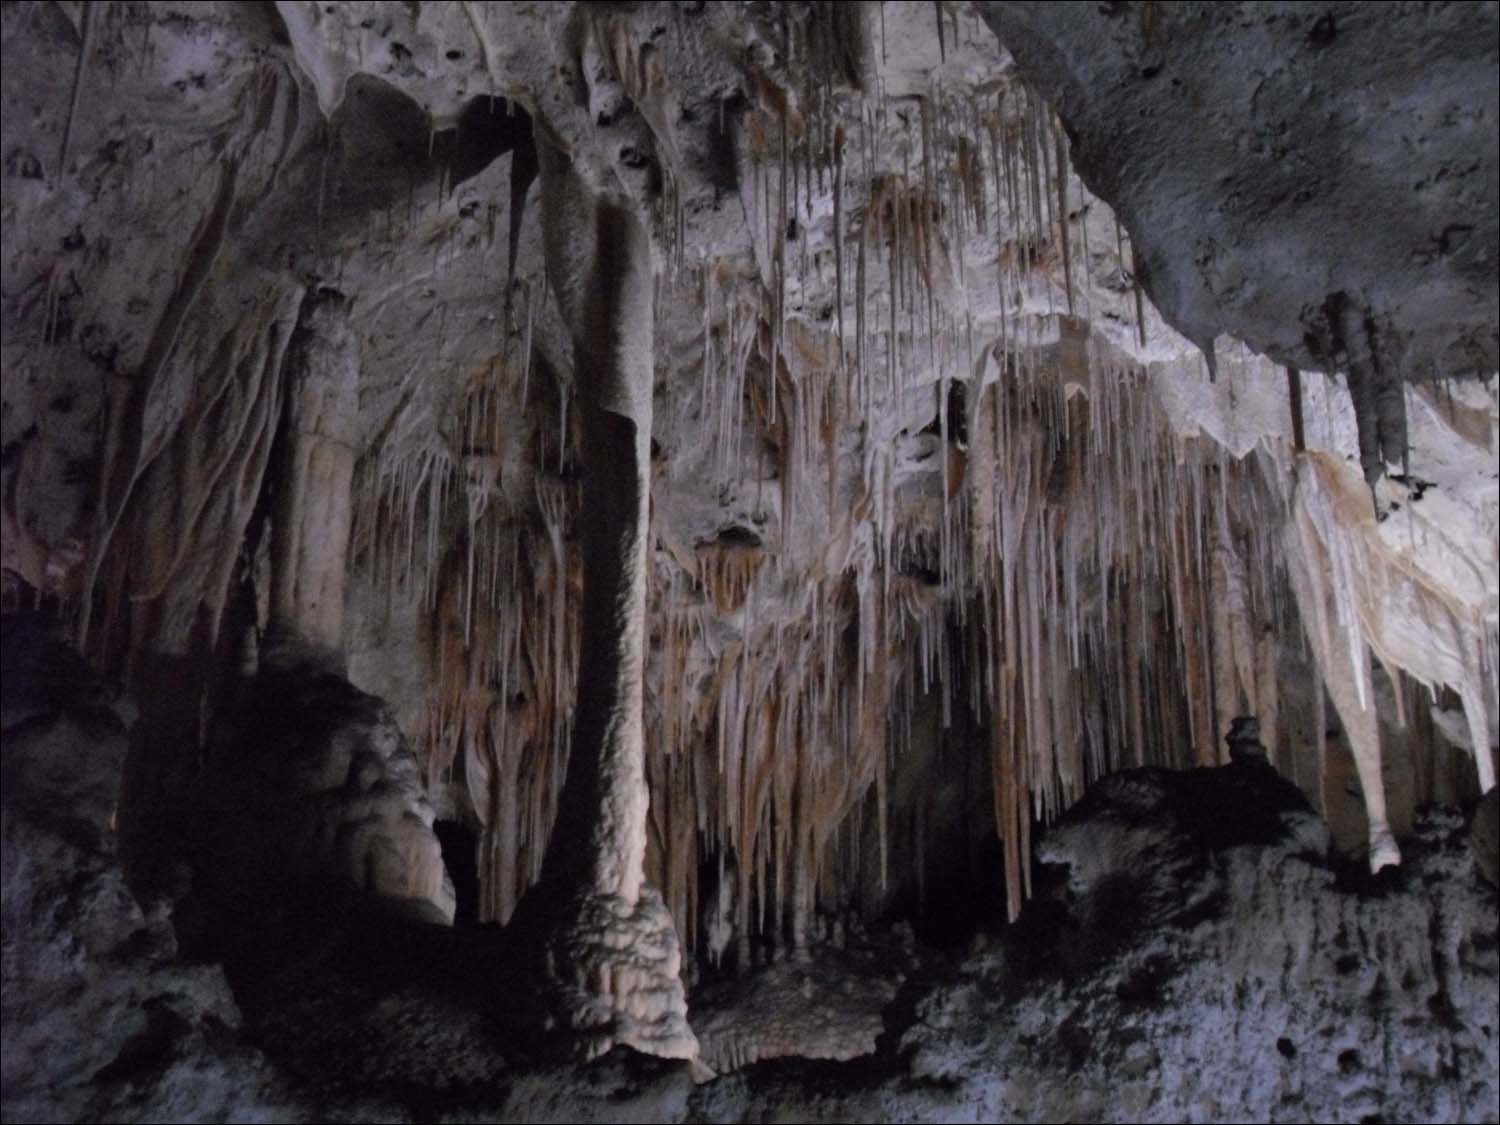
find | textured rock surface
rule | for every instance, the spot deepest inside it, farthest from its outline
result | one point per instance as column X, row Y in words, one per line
column 1239, row 977
column 591, row 971
column 1275, row 161
column 102, row 1020
column 1485, row 836
column 823, row 1005
column 946, row 521
column 310, row 789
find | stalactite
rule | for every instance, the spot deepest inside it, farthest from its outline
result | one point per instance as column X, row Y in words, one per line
column 1294, row 394
column 1062, row 212
column 80, row 70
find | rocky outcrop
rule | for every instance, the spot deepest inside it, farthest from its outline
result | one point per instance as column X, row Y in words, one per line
column 311, row 790
column 1199, row 956
column 102, row 1019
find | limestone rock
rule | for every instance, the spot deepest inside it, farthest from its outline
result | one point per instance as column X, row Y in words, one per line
column 591, row 972
column 1141, row 836
column 102, row 1020
column 1199, row 957
column 1203, row 124
column 311, row 786
column 822, row 1006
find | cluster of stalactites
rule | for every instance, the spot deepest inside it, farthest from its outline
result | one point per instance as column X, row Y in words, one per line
column 1097, row 590
column 994, row 167
column 1111, row 583
column 499, row 580
column 916, row 188
column 1364, row 593
column 1123, row 576
column 762, row 747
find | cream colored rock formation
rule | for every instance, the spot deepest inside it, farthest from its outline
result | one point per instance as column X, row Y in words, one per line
column 314, row 499
column 612, row 959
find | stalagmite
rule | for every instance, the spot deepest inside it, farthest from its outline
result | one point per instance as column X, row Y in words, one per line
column 601, row 940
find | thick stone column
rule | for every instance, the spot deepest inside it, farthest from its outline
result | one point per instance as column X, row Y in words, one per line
column 610, row 957
column 314, row 481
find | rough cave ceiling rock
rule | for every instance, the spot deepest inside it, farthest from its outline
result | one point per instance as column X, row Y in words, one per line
column 1352, row 159
column 903, row 370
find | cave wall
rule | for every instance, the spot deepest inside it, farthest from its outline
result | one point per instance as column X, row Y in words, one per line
column 921, row 432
